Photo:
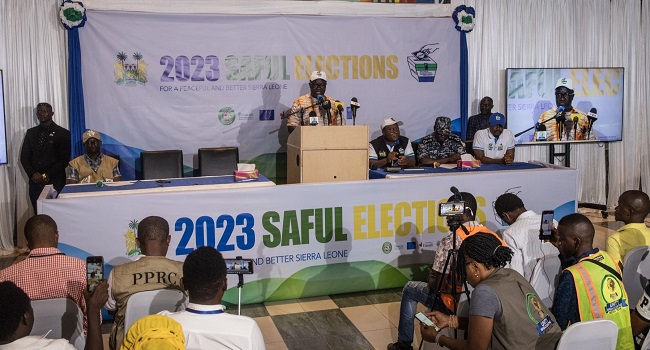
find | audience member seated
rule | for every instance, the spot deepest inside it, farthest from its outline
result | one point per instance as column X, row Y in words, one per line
column 47, row 273
column 93, row 165
column 504, row 310
column 154, row 332
column 441, row 146
column 390, row 149
column 205, row 324
column 150, row 271
column 18, row 319
column 415, row 292
column 633, row 207
column 590, row 285
column 495, row 145
column 479, row 121
column 522, row 234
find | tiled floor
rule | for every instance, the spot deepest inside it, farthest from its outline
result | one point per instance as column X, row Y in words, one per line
column 366, row 320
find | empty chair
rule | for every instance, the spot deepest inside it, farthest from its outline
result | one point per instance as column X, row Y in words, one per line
column 218, row 161
column 152, row 302
column 545, row 278
column 62, row 317
column 598, row 334
column 161, row 164
column 632, row 279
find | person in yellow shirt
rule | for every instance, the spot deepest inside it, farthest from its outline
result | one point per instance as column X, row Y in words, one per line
column 633, row 207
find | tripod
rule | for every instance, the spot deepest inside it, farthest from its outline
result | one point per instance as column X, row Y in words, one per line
column 452, row 258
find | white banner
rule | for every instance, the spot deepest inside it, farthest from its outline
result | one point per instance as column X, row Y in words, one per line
column 163, row 81
column 306, row 239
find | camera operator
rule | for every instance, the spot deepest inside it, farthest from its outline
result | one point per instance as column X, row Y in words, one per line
column 425, row 293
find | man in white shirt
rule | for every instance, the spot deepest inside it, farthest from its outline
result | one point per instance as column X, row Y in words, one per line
column 205, row 323
column 495, row 145
column 522, row 236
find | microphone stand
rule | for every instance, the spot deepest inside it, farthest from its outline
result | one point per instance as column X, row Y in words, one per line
column 534, row 126
column 326, row 106
column 240, row 285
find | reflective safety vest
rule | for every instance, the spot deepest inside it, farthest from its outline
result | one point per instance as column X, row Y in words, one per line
column 602, row 295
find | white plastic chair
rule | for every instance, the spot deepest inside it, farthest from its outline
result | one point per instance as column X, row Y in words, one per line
column 600, row 334
column 152, row 302
column 545, row 278
column 633, row 281
column 62, row 317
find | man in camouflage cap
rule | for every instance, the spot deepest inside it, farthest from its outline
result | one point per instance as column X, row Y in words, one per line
column 441, row 146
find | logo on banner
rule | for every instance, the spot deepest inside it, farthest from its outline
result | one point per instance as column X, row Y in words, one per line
column 131, row 248
column 227, row 115
column 267, row 114
column 127, row 72
column 423, row 68
column 386, row 247
column 411, row 245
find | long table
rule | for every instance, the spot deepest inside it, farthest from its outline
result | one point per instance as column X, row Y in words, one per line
column 305, row 239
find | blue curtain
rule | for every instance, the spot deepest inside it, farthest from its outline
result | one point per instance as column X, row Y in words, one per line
column 464, row 81
column 75, row 93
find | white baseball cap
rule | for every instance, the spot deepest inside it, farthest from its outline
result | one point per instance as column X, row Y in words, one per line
column 389, row 121
column 317, row 75
column 566, row 82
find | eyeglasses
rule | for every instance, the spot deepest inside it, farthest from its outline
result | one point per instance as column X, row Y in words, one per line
column 319, row 84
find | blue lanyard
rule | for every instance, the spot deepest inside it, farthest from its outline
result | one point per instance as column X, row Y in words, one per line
column 209, row 312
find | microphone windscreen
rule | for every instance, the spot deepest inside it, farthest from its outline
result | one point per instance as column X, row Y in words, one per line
column 312, row 114
column 560, row 109
column 593, row 114
column 320, row 97
column 541, row 127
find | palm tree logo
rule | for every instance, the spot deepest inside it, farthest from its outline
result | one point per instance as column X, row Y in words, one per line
column 130, row 235
column 127, row 73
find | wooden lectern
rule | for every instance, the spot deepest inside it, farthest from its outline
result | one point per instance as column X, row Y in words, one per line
column 327, row 154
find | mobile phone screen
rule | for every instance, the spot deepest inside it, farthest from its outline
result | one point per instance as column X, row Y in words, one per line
column 94, row 271
column 546, row 225
column 424, row 319
column 236, row 266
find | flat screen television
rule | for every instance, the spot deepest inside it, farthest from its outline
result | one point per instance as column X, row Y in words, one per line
column 536, row 114
column 3, row 124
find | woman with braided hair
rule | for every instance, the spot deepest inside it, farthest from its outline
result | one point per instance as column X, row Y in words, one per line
column 505, row 311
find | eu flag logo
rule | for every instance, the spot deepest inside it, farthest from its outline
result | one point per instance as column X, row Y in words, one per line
column 267, row 114
column 410, row 245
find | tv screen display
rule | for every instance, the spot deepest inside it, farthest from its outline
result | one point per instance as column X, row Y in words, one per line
column 3, row 125
column 564, row 104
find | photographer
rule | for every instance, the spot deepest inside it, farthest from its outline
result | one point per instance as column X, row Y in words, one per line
column 415, row 292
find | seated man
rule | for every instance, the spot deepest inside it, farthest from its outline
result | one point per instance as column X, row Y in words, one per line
column 93, row 165
column 633, row 207
column 18, row 321
column 441, row 146
column 47, row 273
column 390, row 149
column 415, row 292
column 522, row 234
column 590, row 284
column 205, row 324
column 150, row 271
column 495, row 145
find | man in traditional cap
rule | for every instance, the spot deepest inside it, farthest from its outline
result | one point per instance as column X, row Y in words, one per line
column 571, row 123
column 441, row 146
column 93, row 165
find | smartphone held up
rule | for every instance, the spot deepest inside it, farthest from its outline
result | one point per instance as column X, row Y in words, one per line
column 546, row 225
column 94, row 271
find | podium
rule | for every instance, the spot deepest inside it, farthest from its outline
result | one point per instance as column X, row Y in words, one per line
column 327, row 154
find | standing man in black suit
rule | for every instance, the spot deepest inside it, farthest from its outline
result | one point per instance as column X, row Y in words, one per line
column 45, row 153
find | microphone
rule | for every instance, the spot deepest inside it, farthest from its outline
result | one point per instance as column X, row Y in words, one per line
column 320, row 99
column 340, row 106
column 560, row 119
column 354, row 105
column 313, row 119
column 576, row 118
column 541, row 132
column 592, row 116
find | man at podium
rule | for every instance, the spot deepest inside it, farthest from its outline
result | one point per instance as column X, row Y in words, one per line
column 390, row 149
column 314, row 108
